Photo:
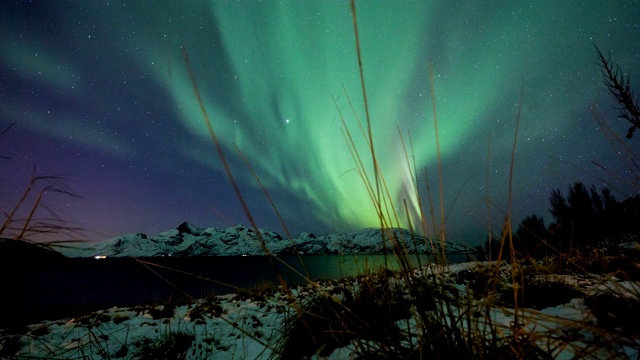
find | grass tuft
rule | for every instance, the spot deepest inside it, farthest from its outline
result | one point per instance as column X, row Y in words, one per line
column 171, row 345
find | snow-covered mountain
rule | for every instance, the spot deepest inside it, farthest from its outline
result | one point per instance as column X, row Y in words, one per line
column 188, row 240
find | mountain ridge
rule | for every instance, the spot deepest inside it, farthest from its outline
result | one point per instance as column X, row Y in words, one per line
column 188, row 240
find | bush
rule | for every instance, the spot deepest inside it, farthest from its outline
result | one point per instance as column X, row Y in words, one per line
column 330, row 321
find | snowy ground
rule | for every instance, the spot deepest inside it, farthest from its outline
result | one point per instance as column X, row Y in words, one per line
column 242, row 326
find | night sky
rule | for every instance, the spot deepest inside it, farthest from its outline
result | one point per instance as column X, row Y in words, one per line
column 100, row 93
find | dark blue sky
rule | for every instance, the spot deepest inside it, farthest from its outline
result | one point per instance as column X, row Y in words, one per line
column 99, row 92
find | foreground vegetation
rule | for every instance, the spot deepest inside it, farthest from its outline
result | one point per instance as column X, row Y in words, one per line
column 464, row 311
column 569, row 290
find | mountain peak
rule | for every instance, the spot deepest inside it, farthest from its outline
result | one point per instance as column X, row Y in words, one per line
column 188, row 240
column 187, row 228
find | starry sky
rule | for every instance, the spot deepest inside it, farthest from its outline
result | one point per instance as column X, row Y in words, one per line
column 100, row 93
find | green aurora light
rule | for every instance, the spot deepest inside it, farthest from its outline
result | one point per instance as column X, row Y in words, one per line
column 268, row 71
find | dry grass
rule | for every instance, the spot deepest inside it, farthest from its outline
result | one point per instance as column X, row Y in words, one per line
column 31, row 220
column 415, row 315
column 430, row 312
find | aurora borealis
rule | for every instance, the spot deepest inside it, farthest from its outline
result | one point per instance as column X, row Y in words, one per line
column 99, row 92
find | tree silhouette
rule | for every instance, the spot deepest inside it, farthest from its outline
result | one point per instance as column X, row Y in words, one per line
column 584, row 217
column 531, row 236
column 618, row 86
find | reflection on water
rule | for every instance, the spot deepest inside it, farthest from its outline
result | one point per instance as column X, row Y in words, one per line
column 338, row 266
column 55, row 289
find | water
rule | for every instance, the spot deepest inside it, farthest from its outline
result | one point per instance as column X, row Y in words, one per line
column 52, row 289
